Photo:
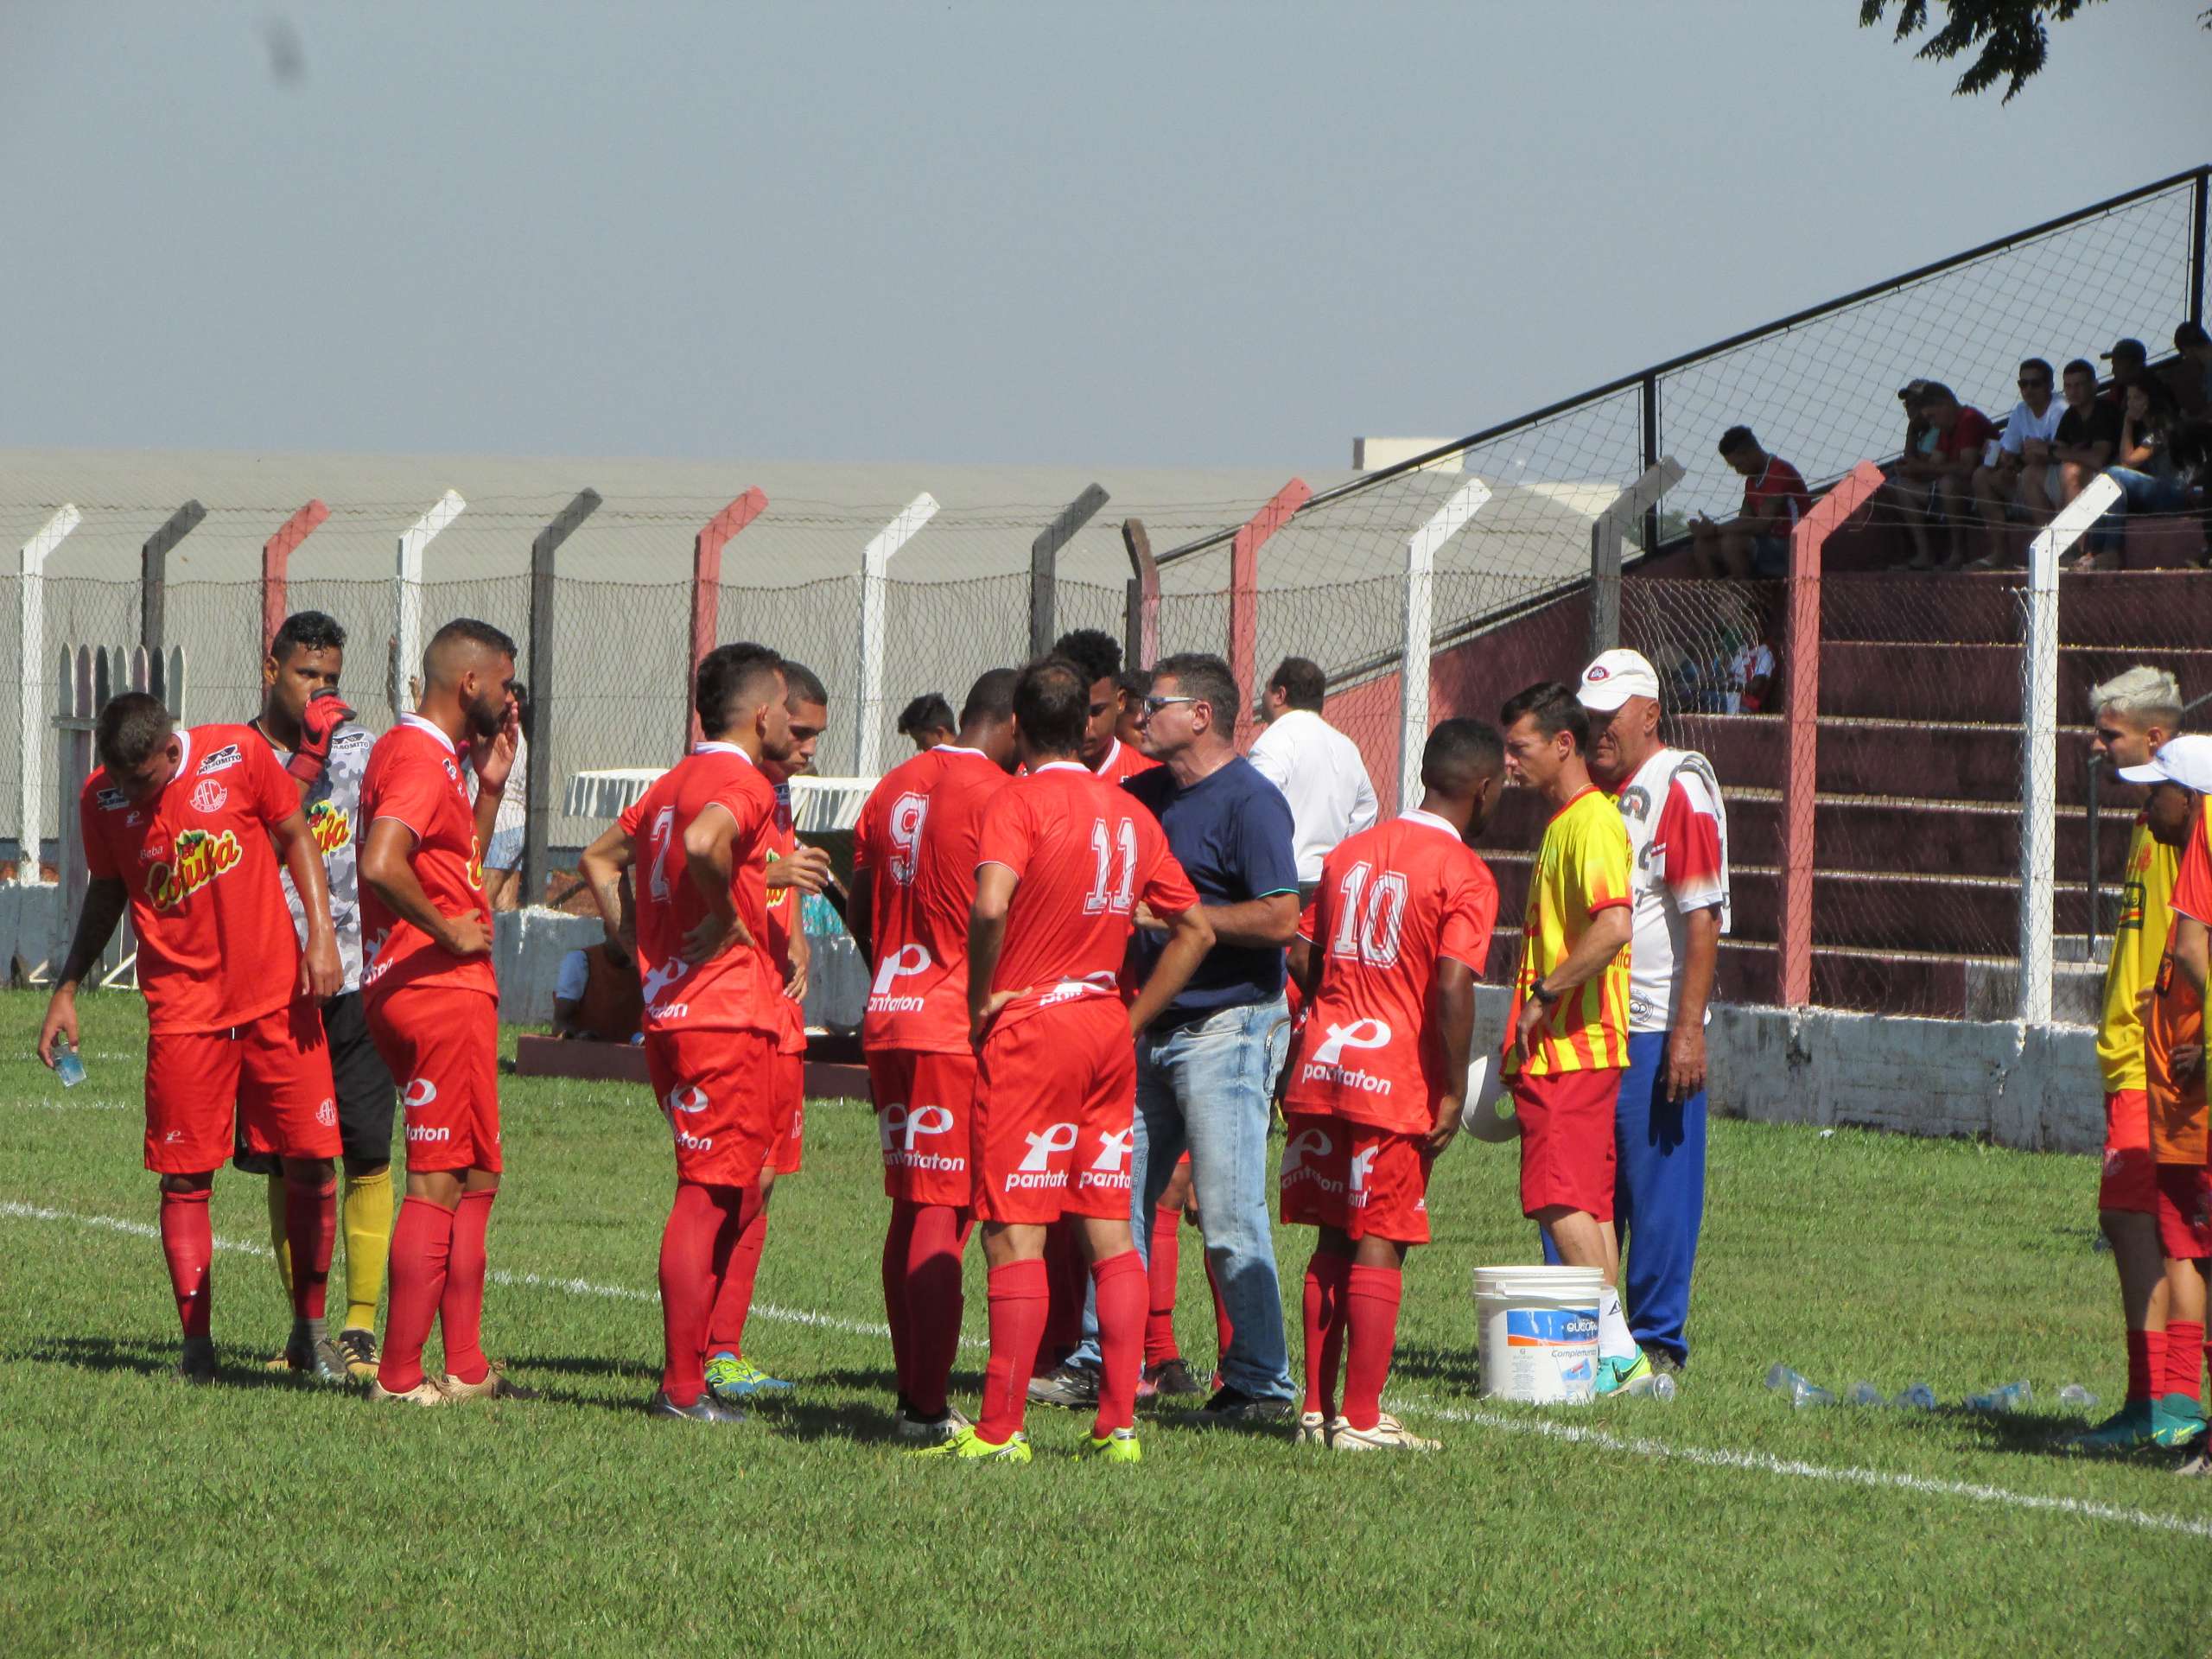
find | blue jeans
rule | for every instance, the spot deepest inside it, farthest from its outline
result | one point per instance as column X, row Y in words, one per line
column 1658, row 1197
column 1204, row 1087
column 2138, row 493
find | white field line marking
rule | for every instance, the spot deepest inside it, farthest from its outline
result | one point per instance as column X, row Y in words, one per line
column 1766, row 1463
column 1705, row 1457
column 11, row 1210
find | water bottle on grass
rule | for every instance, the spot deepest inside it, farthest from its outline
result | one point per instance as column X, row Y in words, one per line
column 2010, row 1397
column 1864, row 1393
column 1918, row 1397
column 1801, row 1390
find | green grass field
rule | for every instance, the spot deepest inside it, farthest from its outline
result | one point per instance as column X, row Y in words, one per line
column 266, row 1517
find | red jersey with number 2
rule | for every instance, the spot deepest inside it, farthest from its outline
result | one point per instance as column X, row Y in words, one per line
column 216, row 947
column 1392, row 901
column 736, row 990
column 918, row 836
column 1084, row 854
column 415, row 775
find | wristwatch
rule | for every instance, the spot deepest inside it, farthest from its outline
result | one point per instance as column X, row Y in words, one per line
column 1544, row 996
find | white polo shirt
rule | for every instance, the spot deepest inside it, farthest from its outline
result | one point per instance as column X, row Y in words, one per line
column 2024, row 424
column 1320, row 774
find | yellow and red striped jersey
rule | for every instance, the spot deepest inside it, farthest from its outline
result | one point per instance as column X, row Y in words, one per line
column 1581, row 869
column 2137, row 942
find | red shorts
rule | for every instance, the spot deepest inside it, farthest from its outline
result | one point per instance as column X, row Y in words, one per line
column 2185, row 1211
column 274, row 1071
column 1055, row 1100
column 924, row 1116
column 1566, row 1141
column 1360, row 1179
column 790, row 1150
column 2130, row 1181
column 442, row 1047
column 717, row 1088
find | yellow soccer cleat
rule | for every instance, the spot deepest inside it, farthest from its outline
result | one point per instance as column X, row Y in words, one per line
column 968, row 1446
column 1119, row 1446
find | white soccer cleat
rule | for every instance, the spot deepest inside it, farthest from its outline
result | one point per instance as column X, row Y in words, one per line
column 922, row 1431
column 1389, row 1434
column 1312, row 1428
column 428, row 1392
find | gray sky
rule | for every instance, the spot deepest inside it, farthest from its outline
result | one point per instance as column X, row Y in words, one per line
column 1114, row 233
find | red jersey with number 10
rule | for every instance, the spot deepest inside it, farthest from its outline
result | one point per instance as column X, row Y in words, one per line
column 215, row 943
column 918, row 836
column 415, row 775
column 1084, row 854
column 736, row 990
column 1392, row 901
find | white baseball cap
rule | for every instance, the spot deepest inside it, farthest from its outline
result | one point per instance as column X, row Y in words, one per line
column 2186, row 760
column 1615, row 677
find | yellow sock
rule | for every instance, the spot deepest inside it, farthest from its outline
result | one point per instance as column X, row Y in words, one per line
column 368, row 1241
column 278, row 1236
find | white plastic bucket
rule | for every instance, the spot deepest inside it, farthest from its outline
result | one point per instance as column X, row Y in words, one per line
column 1539, row 1332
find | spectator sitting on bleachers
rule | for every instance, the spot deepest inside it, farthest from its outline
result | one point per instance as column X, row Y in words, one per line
column 1931, row 487
column 597, row 996
column 2021, row 474
column 2188, row 375
column 2150, row 479
column 2130, row 363
column 927, row 722
column 2088, row 434
column 1756, row 543
column 1746, row 669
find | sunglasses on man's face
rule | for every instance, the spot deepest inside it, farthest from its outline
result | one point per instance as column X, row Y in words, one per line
column 1153, row 705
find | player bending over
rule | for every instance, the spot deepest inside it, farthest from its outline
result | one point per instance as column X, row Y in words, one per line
column 914, row 852
column 699, row 837
column 1387, row 955
column 1063, row 859
column 177, row 829
column 434, row 1002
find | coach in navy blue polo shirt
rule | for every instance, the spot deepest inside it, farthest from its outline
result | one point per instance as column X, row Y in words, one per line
column 1205, row 1065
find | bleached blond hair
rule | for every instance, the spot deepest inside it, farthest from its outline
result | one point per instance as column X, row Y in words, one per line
column 2152, row 696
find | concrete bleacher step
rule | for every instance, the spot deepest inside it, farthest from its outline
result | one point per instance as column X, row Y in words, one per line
column 1891, row 679
column 2144, row 609
column 1919, row 760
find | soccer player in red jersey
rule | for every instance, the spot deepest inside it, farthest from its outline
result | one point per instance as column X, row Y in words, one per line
column 433, row 1002
column 1098, row 656
column 177, row 830
column 1387, row 953
column 791, row 873
column 914, row 853
column 1064, row 860
column 699, row 839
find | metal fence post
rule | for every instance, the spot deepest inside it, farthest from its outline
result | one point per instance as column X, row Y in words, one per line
column 543, row 668
column 1140, row 624
column 876, row 561
column 1608, row 535
column 275, row 561
column 2198, row 193
column 2039, row 745
column 707, row 584
column 1245, row 595
column 407, row 607
column 1412, row 661
column 1801, row 708
column 1043, row 564
column 31, row 663
column 153, row 576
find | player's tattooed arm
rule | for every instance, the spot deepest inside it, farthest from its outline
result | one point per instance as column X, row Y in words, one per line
column 601, row 867
column 1190, row 936
column 1452, row 1003
column 995, row 886
column 710, row 861
column 105, row 899
column 322, row 974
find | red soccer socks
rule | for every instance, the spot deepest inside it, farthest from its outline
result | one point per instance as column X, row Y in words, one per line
column 1325, row 1275
column 2184, row 1358
column 897, row 1238
column 2146, row 1364
column 1020, row 1294
column 734, row 1301
column 189, row 1244
column 461, row 1307
column 1121, row 1289
column 421, row 1243
column 310, row 1229
column 701, row 1224
column 1159, row 1313
column 936, row 1239
column 1371, row 1315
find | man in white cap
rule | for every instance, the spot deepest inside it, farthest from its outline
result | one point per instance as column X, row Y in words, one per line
column 1678, row 836
column 2173, row 1064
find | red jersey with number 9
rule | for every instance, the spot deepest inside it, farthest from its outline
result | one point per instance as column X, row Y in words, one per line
column 918, row 836
column 1393, row 901
column 415, row 775
column 738, row 989
column 216, row 947
column 1084, row 853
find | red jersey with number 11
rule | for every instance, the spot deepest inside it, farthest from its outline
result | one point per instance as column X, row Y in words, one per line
column 1086, row 855
column 1393, row 901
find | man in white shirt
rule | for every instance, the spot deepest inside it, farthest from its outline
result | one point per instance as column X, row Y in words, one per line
column 1678, row 832
column 2022, row 474
column 1316, row 767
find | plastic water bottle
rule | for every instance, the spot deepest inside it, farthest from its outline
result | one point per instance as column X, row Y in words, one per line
column 1802, row 1391
column 2010, row 1397
column 1866, row 1394
column 1662, row 1388
column 1918, row 1397
column 68, row 1066
column 2075, row 1394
